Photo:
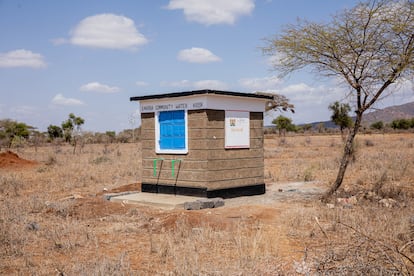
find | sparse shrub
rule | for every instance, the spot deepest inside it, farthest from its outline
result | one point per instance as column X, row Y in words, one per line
column 106, row 149
column 308, row 175
column 12, row 238
column 368, row 252
column 401, row 124
column 369, row 143
column 282, row 141
column 62, row 208
column 103, row 266
column 58, row 149
column 380, row 183
column 10, row 185
column 34, row 205
column 393, row 192
column 101, row 159
column 377, row 125
column 51, row 160
column 360, row 182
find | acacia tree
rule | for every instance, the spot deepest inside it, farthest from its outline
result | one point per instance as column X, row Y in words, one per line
column 283, row 124
column 277, row 103
column 340, row 115
column 70, row 132
column 11, row 130
column 369, row 47
column 54, row 132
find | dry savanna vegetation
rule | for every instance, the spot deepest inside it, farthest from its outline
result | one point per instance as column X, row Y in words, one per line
column 55, row 221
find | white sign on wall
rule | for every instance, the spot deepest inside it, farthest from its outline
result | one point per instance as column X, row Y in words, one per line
column 237, row 129
column 169, row 105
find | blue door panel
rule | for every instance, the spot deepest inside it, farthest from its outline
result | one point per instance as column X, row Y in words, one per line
column 172, row 129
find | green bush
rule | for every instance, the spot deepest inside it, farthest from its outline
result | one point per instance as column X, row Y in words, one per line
column 401, row 123
column 377, row 125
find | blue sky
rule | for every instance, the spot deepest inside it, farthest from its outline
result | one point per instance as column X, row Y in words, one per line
column 89, row 57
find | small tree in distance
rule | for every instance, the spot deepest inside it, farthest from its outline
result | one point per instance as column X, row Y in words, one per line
column 283, row 124
column 13, row 131
column 70, row 132
column 340, row 115
column 369, row 47
column 54, row 132
column 377, row 125
column 279, row 103
column 401, row 124
column 111, row 136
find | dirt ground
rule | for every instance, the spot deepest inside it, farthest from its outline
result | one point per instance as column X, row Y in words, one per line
column 55, row 221
column 10, row 160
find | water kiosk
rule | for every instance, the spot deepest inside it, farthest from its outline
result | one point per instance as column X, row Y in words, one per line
column 205, row 143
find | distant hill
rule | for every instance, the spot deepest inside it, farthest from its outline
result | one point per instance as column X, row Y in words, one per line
column 386, row 115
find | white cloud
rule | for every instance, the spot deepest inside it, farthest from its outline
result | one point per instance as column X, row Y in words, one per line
column 298, row 88
column 311, row 102
column 197, row 55
column 180, row 83
column 398, row 93
column 261, row 84
column 209, row 12
column 275, row 60
column 141, row 83
column 99, row 87
column 24, row 110
column 22, row 58
column 303, row 94
column 107, row 31
column 201, row 84
column 210, row 84
column 59, row 99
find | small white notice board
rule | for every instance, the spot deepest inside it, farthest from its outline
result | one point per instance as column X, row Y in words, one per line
column 237, row 129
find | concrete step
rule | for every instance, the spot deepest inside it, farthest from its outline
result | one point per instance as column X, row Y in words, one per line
column 163, row 201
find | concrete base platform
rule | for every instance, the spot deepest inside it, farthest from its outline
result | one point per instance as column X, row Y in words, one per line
column 164, row 201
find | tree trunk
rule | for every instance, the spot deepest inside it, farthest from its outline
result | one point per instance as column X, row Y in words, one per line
column 75, row 141
column 346, row 157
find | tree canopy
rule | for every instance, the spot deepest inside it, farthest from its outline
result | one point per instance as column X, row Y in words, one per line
column 369, row 47
column 278, row 103
column 283, row 124
column 340, row 115
column 54, row 132
column 69, row 125
column 11, row 130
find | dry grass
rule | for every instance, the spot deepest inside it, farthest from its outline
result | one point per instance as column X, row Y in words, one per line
column 318, row 157
column 53, row 219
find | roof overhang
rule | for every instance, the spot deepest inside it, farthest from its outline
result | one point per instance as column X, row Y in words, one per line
column 200, row 92
column 203, row 99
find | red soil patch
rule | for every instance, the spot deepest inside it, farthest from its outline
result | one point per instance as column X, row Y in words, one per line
column 10, row 160
column 96, row 207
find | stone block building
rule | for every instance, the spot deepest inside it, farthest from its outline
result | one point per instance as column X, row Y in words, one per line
column 206, row 143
